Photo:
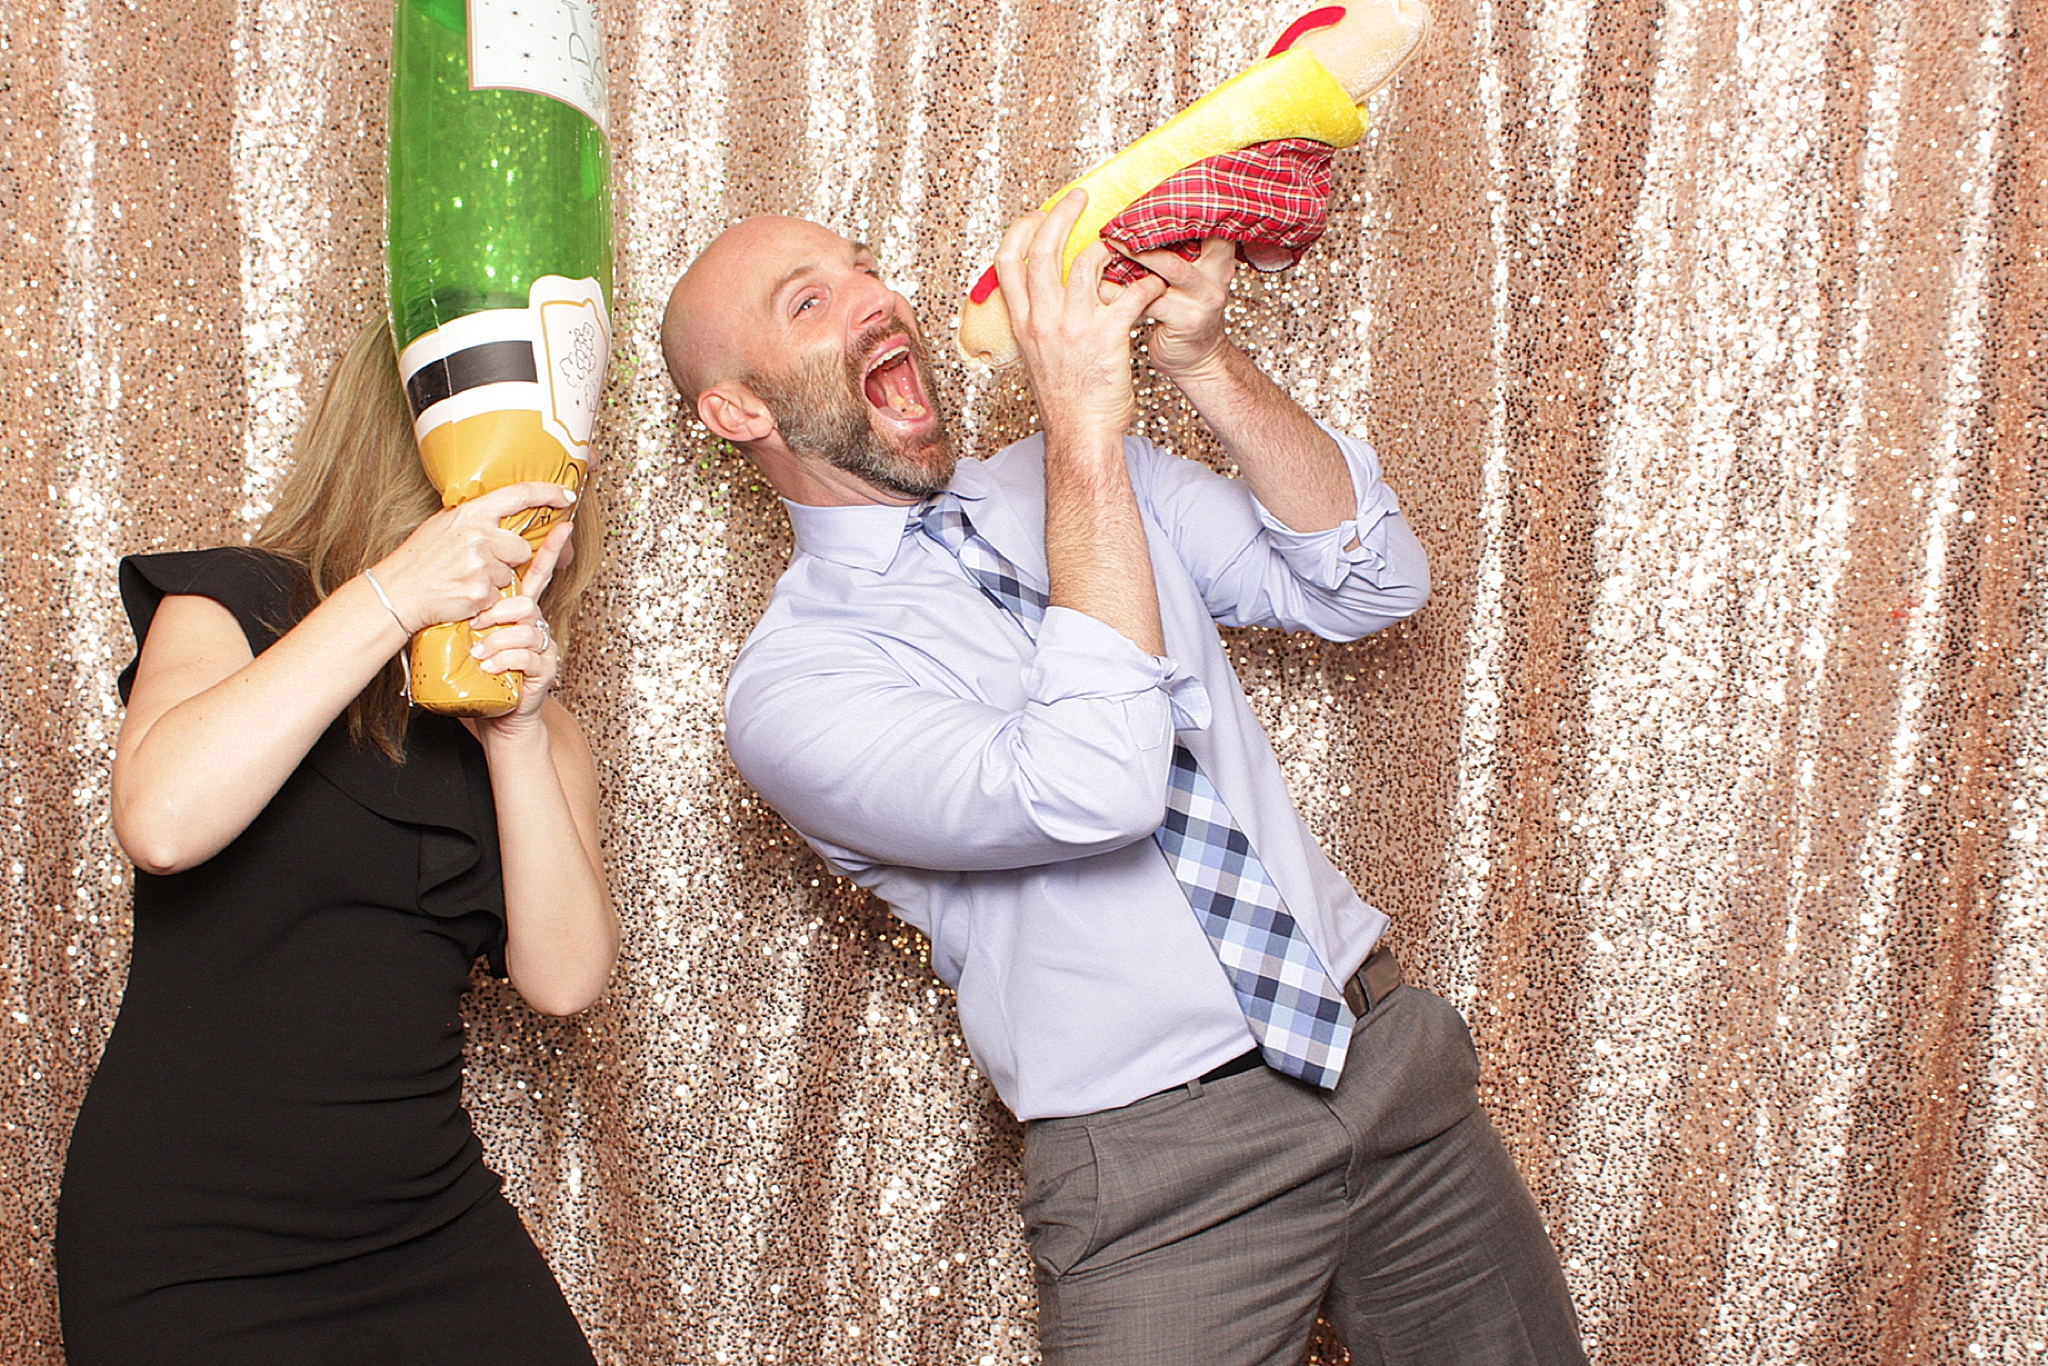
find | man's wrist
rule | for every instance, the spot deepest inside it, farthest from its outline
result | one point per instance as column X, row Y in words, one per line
column 1084, row 441
column 1214, row 367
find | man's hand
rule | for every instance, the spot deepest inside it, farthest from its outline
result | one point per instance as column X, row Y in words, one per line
column 1294, row 468
column 1076, row 345
column 1189, row 336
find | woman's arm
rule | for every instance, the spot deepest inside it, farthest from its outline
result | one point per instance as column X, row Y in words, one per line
column 561, row 934
column 212, row 732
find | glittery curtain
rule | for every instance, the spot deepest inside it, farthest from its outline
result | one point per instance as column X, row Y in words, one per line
column 1703, row 343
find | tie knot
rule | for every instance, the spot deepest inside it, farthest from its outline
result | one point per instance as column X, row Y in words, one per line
column 945, row 521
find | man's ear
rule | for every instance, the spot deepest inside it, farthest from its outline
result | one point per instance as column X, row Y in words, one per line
column 735, row 412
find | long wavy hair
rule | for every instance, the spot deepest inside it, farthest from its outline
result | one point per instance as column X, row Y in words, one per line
column 356, row 490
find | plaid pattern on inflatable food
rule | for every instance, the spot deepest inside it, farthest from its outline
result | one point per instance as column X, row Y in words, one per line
column 1272, row 199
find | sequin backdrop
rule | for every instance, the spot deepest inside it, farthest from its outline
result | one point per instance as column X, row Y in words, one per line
column 1703, row 344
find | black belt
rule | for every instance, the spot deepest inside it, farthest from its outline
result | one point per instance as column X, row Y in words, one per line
column 1374, row 981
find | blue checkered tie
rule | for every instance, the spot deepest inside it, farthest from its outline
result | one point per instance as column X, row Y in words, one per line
column 1295, row 1011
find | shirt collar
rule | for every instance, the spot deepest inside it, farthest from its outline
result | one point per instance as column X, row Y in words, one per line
column 866, row 535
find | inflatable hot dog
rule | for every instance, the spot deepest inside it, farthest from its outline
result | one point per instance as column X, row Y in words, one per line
column 499, row 213
column 1310, row 85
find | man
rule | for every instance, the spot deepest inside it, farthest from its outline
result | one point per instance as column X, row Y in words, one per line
column 994, row 694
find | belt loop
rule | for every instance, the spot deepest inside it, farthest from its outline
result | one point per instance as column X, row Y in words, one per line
column 1374, row 981
column 1195, row 1089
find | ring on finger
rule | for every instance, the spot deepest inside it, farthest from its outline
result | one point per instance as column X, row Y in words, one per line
column 547, row 637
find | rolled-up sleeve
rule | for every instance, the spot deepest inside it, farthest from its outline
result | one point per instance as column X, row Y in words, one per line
column 875, row 768
column 1358, row 577
column 1374, row 544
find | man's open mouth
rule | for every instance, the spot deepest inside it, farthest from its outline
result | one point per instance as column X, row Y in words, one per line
column 892, row 384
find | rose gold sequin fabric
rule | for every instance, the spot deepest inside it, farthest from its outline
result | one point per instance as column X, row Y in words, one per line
column 1703, row 343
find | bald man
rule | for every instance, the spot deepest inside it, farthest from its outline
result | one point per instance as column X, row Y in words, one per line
column 993, row 693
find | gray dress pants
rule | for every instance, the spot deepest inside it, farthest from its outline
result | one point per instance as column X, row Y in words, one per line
column 1209, row 1225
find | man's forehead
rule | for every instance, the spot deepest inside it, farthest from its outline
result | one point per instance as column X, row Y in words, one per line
column 716, row 305
column 806, row 250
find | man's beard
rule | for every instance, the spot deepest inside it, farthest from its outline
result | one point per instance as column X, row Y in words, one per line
column 821, row 409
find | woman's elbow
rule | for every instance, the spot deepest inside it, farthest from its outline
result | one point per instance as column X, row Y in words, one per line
column 156, row 843
column 559, row 996
column 570, row 982
column 555, row 1003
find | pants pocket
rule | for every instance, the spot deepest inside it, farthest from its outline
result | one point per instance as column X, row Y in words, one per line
column 1439, row 1082
column 1062, row 1195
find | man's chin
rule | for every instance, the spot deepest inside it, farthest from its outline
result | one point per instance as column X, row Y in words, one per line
column 921, row 459
column 913, row 481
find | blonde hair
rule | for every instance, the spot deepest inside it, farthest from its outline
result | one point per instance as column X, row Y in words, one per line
column 355, row 492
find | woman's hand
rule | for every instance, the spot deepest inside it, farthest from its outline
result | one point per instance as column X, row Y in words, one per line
column 455, row 564
column 1076, row 346
column 512, row 634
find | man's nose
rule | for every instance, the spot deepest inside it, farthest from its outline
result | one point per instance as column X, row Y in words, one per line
column 873, row 302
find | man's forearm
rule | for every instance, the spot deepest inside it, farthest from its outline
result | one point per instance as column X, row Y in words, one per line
column 1294, row 468
column 1095, row 542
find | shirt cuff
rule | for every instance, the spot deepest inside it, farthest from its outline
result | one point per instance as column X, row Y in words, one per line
column 1327, row 558
column 1082, row 657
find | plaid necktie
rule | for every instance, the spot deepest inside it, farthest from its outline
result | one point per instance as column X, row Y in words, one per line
column 1295, row 1011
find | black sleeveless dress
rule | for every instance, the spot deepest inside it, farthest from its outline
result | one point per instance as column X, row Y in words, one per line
column 273, row 1164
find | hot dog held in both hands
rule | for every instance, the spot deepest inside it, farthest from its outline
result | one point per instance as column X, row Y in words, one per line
column 1311, row 85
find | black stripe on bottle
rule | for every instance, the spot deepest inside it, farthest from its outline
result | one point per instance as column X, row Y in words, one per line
column 497, row 362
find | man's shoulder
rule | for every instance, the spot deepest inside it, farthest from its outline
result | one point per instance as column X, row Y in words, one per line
column 823, row 616
column 812, row 601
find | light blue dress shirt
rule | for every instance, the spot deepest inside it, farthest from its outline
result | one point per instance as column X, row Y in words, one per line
column 1000, row 794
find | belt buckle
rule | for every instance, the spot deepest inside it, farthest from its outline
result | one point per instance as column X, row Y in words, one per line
column 1374, row 981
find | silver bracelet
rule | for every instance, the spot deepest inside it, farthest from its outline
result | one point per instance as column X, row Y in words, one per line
column 405, row 651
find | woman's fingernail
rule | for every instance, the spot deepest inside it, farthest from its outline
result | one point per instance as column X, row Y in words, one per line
column 571, row 493
column 476, row 652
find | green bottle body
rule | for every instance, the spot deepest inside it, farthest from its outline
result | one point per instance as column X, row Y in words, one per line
column 498, row 212
column 490, row 189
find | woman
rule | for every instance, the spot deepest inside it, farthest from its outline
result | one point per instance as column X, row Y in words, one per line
column 273, row 1164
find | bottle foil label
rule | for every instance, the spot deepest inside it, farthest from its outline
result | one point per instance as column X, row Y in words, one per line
column 510, row 393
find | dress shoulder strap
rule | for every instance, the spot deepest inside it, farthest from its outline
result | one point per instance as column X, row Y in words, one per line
column 256, row 585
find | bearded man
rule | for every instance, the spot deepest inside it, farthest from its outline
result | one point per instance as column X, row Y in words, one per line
column 993, row 693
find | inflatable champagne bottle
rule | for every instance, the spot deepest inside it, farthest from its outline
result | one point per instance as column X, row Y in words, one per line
column 499, row 217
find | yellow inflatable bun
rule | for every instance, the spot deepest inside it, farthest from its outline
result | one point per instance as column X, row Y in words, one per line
column 1311, row 86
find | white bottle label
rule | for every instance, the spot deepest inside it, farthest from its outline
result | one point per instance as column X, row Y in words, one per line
column 574, row 343
column 550, row 47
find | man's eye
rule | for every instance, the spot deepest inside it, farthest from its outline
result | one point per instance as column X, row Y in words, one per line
column 804, row 303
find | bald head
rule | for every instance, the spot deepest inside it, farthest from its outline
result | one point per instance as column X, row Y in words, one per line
column 785, row 340
column 714, row 309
